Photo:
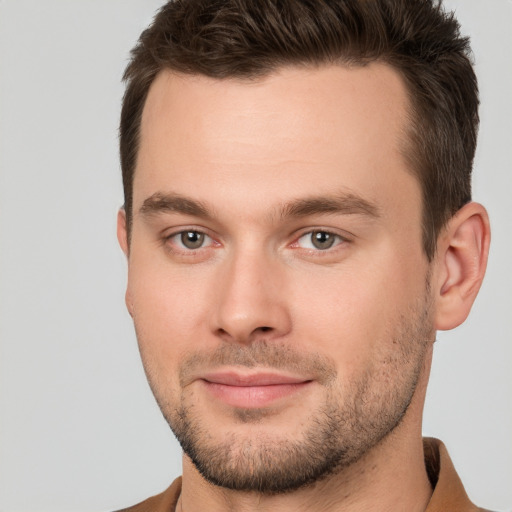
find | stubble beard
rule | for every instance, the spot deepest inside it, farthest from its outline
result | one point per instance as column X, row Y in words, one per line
column 351, row 421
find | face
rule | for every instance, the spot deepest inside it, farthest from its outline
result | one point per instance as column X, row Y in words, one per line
column 276, row 275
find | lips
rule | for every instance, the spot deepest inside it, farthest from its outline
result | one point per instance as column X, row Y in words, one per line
column 252, row 390
column 258, row 379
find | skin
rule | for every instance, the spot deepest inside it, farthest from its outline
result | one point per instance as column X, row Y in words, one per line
column 244, row 152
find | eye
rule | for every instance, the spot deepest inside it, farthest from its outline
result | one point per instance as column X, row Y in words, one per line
column 190, row 239
column 319, row 240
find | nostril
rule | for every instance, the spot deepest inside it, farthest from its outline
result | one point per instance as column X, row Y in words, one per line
column 265, row 329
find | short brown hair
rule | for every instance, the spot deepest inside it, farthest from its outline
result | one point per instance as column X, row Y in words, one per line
column 251, row 38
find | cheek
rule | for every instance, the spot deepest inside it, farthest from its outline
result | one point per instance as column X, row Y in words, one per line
column 168, row 309
column 353, row 313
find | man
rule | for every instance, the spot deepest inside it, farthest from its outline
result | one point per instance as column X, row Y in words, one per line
column 298, row 224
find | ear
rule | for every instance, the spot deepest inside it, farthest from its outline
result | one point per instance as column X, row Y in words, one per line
column 462, row 252
column 122, row 231
column 122, row 237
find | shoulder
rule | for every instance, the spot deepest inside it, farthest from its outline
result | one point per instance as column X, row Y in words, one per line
column 163, row 502
column 448, row 492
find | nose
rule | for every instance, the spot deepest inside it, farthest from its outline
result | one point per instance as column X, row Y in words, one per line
column 252, row 302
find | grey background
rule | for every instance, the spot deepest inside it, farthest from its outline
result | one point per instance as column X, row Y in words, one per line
column 79, row 430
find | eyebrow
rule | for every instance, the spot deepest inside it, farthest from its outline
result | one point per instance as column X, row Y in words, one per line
column 346, row 204
column 173, row 203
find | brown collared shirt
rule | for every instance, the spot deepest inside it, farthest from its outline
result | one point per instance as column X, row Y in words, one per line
column 448, row 496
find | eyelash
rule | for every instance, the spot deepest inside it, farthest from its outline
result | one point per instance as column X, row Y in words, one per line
column 336, row 237
column 179, row 243
column 178, row 247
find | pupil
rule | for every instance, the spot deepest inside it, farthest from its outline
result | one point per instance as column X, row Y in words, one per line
column 192, row 239
column 322, row 240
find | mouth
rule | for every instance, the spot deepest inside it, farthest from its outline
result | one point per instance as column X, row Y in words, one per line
column 252, row 391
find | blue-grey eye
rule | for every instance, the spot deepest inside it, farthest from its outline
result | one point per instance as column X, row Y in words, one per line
column 192, row 239
column 318, row 239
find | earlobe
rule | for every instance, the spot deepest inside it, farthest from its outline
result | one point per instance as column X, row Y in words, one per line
column 128, row 302
column 462, row 259
column 122, row 231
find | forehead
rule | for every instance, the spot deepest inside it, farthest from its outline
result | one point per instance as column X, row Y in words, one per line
column 295, row 130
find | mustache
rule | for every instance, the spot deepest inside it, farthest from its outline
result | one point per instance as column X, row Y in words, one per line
column 260, row 354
